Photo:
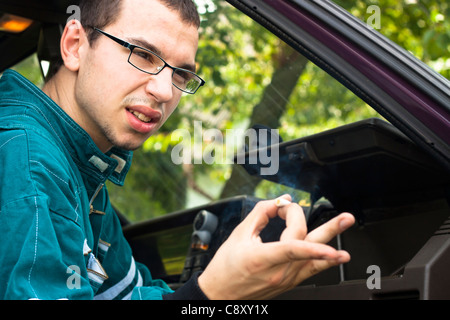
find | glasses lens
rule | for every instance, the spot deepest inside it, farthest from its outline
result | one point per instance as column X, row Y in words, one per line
column 186, row 80
column 146, row 60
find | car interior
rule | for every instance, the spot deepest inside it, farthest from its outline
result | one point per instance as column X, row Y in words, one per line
column 398, row 193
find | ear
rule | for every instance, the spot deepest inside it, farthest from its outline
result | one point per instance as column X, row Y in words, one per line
column 72, row 40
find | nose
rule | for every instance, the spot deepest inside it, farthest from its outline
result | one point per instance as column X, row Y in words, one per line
column 160, row 85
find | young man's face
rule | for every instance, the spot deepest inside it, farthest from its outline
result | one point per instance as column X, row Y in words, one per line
column 119, row 104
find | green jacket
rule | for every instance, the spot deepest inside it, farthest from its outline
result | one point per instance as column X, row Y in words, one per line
column 60, row 237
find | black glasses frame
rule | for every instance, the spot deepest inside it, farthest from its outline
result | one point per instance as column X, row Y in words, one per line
column 131, row 47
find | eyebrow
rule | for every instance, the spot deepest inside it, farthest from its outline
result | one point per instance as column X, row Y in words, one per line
column 147, row 45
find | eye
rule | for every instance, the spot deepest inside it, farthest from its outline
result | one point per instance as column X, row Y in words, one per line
column 145, row 55
column 181, row 76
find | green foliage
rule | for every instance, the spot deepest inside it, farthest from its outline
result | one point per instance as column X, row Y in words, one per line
column 30, row 69
column 420, row 26
column 154, row 187
column 239, row 61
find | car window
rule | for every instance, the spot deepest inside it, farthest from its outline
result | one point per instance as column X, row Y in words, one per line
column 253, row 78
column 421, row 27
column 30, row 68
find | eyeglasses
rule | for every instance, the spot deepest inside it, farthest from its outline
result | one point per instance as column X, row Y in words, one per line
column 149, row 62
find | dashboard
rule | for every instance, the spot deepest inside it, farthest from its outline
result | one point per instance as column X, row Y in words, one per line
column 398, row 194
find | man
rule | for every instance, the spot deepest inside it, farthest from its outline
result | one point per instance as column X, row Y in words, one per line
column 60, row 236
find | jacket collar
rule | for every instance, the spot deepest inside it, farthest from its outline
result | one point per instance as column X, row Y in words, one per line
column 91, row 161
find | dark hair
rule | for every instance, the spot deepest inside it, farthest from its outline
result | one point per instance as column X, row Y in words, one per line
column 98, row 13
column 101, row 13
column 186, row 8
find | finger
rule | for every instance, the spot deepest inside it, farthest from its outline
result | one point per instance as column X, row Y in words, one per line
column 259, row 217
column 330, row 229
column 296, row 228
column 316, row 266
column 276, row 253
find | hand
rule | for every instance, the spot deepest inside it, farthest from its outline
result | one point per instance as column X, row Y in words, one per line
column 246, row 268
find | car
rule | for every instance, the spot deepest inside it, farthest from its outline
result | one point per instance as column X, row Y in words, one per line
column 388, row 162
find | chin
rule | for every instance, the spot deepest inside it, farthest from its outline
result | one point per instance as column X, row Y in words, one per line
column 129, row 146
column 125, row 140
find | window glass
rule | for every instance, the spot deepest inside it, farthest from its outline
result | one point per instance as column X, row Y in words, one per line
column 421, row 27
column 253, row 78
column 30, row 68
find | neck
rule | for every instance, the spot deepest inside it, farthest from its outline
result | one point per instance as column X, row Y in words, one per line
column 59, row 92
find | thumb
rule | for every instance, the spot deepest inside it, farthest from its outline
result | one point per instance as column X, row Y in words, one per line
column 259, row 217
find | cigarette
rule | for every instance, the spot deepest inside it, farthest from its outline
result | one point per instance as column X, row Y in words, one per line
column 281, row 202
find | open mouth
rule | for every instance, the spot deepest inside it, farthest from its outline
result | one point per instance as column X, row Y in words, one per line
column 142, row 117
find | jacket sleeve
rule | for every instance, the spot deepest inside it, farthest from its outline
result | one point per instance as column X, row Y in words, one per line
column 41, row 247
column 51, row 247
column 37, row 261
column 157, row 290
column 145, row 287
column 189, row 291
column 127, row 278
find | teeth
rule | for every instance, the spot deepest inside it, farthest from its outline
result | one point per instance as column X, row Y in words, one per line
column 141, row 116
